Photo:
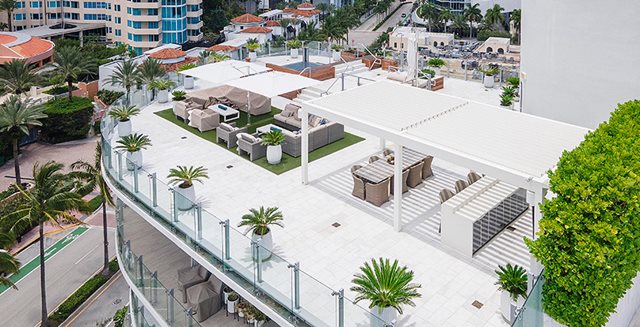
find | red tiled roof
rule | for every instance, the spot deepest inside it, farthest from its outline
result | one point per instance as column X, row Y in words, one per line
column 272, row 23
column 306, row 5
column 34, row 49
column 6, row 38
column 246, row 19
column 175, row 66
column 222, row 47
column 256, row 29
column 168, row 54
column 304, row 13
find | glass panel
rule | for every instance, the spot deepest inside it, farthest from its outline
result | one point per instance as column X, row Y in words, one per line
column 318, row 304
column 355, row 316
column 531, row 314
column 241, row 255
column 277, row 278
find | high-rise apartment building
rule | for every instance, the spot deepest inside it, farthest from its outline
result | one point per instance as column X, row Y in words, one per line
column 142, row 24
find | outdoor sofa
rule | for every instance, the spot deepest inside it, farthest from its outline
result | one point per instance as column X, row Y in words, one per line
column 190, row 276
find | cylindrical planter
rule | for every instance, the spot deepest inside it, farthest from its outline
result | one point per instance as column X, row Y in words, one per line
column 188, row 82
column 489, row 81
column 387, row 314
column 505, row 305
column 163, row 96
column 226, row 296
column 274, row 154
column 294, row 53
column 231, row 306
column 124, row 127
column 186, row 197
column 266, row 245
column 134, row 159
column 336, row 56
column 253, row 56
column 505, row 107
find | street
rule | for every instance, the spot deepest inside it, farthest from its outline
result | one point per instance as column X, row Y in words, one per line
column 364, row 34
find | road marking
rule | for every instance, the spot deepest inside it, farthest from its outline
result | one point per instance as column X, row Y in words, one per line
column 86, row 255
column 51, row 251
column 95, row 298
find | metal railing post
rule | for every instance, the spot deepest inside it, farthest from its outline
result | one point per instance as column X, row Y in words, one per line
column 227, row 241
column 141, row 271
column 174, row 204
column 296, row 285
column 142, row 319
column 135, row 179
column 258, row 256
column 170, row 316
column 128, row 254
column 154, row 189
column 154, row 287
column 119, row 155
column 189, row 313
column 199, row 221
column 342, row 81
column 340, row 294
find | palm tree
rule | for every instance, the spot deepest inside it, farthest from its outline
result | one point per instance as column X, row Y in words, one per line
column 8, row 6
column 472, row 14
column 17, row 115
column 49, row 201
column 91, row 175
column 217, row 57
column 258, row 221
column 3, row 26
column 332, row 29
column 8, row 263
column 17, row 76
column 203, row 57
column 385, row 285
column 429, row 12
column 459, row 24
column 126, row 75
column 445, row 17
column 323, row 7
column 515, row 17
column 185, row 176
column 494, row 17
column 71, row 64
column 149, row 71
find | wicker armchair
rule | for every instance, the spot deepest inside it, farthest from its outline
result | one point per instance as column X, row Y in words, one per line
column 373, row 159
column 386, row 152
column 461, row 185
column 251, row 145
column 405, row 187
column 377, row 194
column 444, row 195
column 473, row 177
column 415, row 175
column 426, row 168
column 204, row 120
column 358, row 184
column 228, row 134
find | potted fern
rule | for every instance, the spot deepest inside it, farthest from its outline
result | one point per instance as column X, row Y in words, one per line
column 258, row 222
column 489, row 74
column 387, row 286
column 184, row 177
column 514, row 82
column 253, row 46
column 273, row 140
column 163, row 86
column 512, row 280
column 506, row 101
column 123, row 114
column 294, row 45
column 133, row 144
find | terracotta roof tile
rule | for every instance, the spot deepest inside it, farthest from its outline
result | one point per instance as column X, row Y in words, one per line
column 5, row 38
column 246, row 19
column 272, row 23
column 256, row 29
column 175, row 66
column 33, row 47
column 168, row 54
column 306, row 5
column 222, row 47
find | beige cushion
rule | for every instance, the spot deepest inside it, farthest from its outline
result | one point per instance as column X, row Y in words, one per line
column 226, row 127
column 287, row 113
column 315, row 121
column 247, row 137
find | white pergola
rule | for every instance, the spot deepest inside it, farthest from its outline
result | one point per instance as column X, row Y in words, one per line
column 223, row 71
column 509, row 146
column 272, row 84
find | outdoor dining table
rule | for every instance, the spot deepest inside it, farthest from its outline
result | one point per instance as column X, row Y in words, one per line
column 380, row 170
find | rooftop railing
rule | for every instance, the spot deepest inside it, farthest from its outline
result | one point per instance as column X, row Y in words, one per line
column 278, row 283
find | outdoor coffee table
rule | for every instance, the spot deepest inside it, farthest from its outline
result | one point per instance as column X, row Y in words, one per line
column 227, row 113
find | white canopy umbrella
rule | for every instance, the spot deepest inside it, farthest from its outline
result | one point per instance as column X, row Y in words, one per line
column 412, row 56
column 223, row 71
column 272, row 84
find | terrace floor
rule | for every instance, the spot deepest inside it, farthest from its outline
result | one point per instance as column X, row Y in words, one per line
column 450, row 283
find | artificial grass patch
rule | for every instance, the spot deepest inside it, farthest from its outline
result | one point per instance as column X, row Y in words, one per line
column 288, row 162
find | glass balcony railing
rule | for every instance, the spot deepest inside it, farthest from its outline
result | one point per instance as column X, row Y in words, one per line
column 531, row 313
column 281, row 285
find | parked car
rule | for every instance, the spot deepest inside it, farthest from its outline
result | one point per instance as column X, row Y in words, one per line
column 404, row 14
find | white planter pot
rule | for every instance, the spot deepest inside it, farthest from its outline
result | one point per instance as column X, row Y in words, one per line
column 185, row 198
column 253, row 56
column 505, row 107
column 231, row 306
column 240, row 313
column 294, row 53
column 134, row 159
column 506, row 303
column 226, row 296
column 336, row 55
column 188, row 82
column 489, row 82
column 163, row 96
column 388, row 315
column 516, row 99
column 274, row 154
column 124, row 128
column 266, row 245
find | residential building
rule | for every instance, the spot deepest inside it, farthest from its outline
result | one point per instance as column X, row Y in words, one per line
column 143, row 25
column 458, row 6
column 400, row 36
column 268, row 25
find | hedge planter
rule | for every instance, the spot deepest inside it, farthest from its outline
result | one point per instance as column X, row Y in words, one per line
column 507, row 303
column 185, row 197
column 253, row 56
column 336, row 56
column 294, row 53
column 134, row 160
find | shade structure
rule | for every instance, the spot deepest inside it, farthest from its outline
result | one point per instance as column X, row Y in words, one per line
column 272, row 84
column 223, row 71
column 412, row 55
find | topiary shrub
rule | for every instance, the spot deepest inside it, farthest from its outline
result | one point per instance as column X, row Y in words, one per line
column 67, row 120
column 588, row 239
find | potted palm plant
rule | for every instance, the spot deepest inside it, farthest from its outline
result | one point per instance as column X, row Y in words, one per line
column 163, row 86
column 489, row 74
column 179, row 95
column 387, row 286
column 273, row 140
column 506, row 101
column 436, row 64
column 123, row 114
column 294, row 45
column 189, row 81
column 253, row 46
column 133, row 144
column 336, row 52
column 512, row 280
column 508, row 91
column 258, row 222
column 514, row 82
column 184, row 177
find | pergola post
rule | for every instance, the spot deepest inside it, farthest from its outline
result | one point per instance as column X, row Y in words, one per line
column 305, row 145
column 397, row 187
column 538, row 198
column 383, row 143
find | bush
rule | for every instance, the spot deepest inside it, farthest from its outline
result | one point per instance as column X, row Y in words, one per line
column 67, row 120
column 59, row 89
column 113, row 266
column 119, row 316
column 588, row 239
column 484, row 34
column 10, row 222
column 109, row 97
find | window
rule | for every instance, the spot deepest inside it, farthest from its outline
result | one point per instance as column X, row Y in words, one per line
column 152, row 12
column 102, row 5
column 36, row 16
column 193, row 7
column 20, row 16
column 20, row 4
column 153, row 25
column 154, row 38
column 36, row 4
column 133, row 11
column 97, row 17
column 53, row 4
column 109, row 30
column 116, row 7
column 118, row 32
column 70, row 4
column 193, row 20
column 118, row 20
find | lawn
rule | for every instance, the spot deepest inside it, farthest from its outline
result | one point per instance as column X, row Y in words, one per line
column 288, row 162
